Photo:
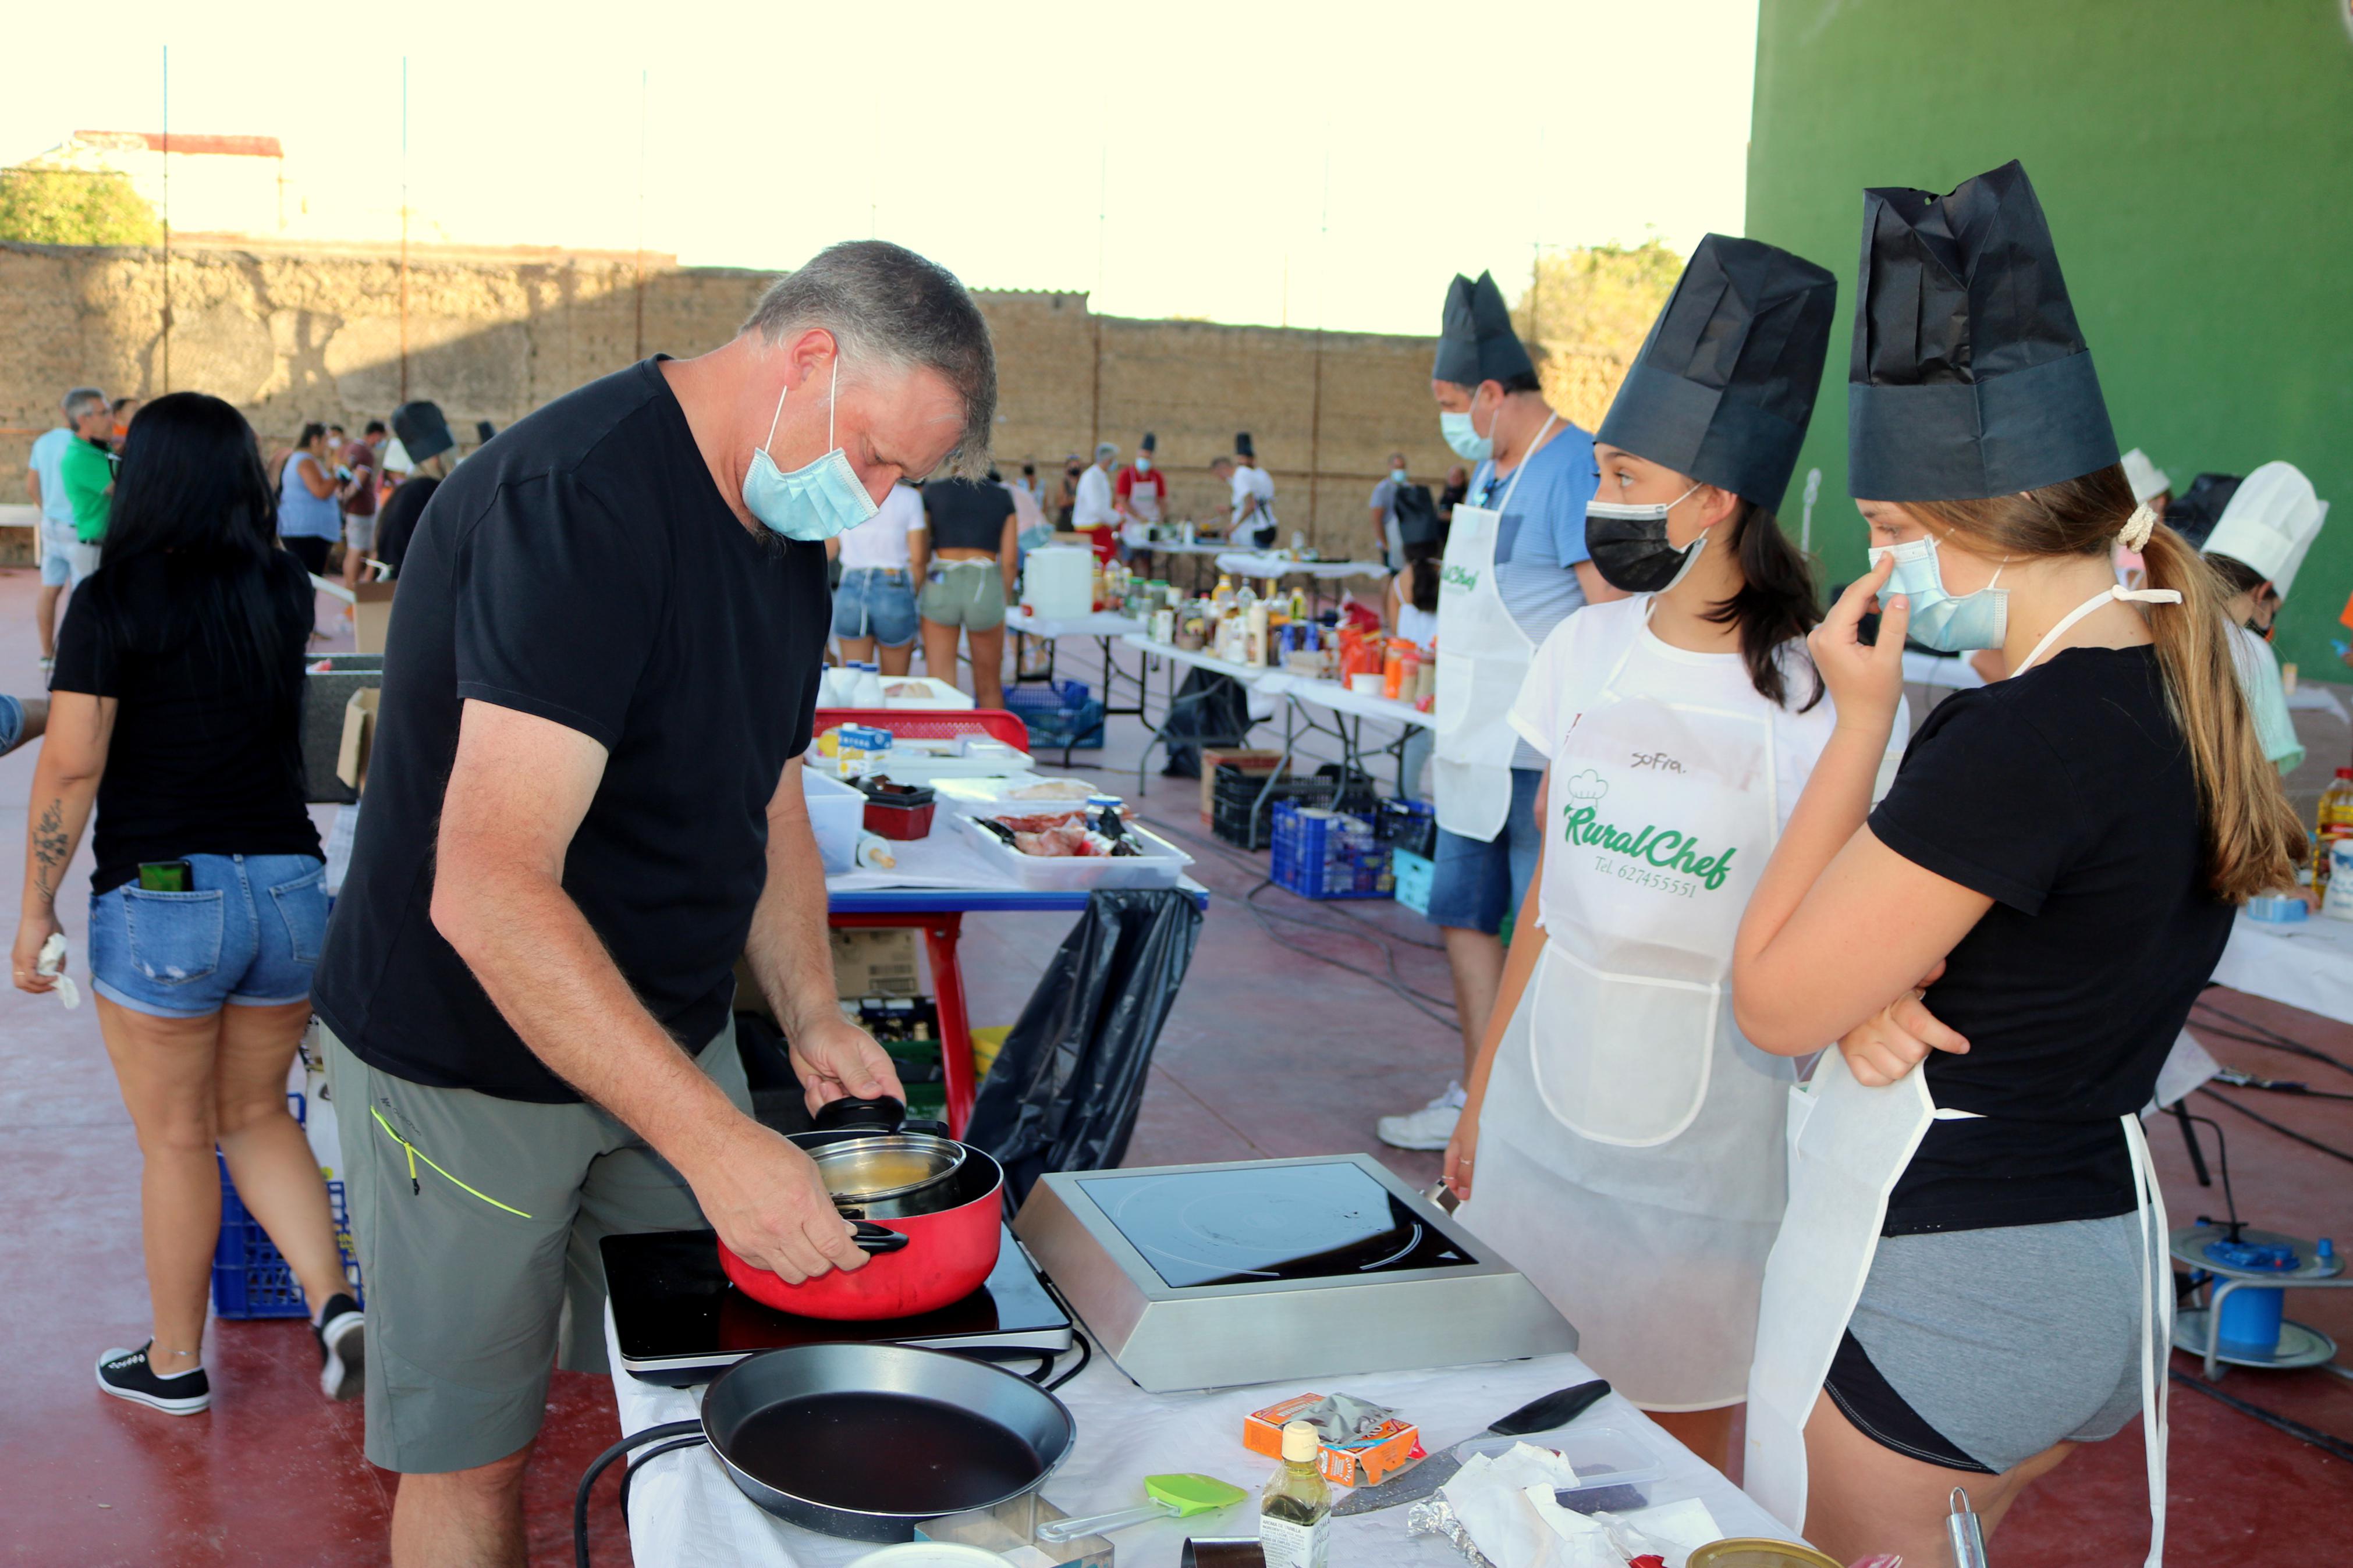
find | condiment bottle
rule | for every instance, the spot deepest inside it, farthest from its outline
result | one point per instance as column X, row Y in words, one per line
column 2335, row 821
column 1295, row 1513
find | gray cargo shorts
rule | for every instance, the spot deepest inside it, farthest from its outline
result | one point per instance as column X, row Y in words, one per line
column 477, row 1221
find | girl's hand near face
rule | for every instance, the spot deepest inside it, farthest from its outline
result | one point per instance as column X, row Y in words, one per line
column 1865, row 681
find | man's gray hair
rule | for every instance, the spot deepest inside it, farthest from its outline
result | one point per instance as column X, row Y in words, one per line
column 84, row 400
column 1106, row 449
column 887, row 306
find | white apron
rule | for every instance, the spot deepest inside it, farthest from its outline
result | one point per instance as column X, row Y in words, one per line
column 1482, row 657
column 1848, row 1147
column 1144, row 500
column 1630, row 1147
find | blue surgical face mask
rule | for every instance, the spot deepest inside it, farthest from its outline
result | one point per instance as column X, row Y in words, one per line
column 815, row 502
column 1143, row 464
column 1397, row 476
column 1940, row 620
column 1463, row 437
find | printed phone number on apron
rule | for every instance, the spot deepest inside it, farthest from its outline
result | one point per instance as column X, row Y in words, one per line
column 1681, row 887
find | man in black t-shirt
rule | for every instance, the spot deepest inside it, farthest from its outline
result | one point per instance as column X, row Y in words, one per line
column 583, row 802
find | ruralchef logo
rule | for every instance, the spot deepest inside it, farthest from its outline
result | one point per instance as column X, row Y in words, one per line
column 1668, row 851
column 1456, row 576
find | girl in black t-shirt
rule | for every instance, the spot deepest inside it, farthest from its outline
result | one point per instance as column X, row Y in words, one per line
column 175, row 711
column 1972, row 1275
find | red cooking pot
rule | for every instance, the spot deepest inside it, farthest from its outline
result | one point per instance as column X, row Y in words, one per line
column 928, row 1246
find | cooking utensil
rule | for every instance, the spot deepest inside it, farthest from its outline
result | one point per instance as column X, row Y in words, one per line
column 1173, row 1497
column 1757, row 1552
column 1965, row 1532
column 864, row 1442
column 949, row 1229
column 1555, row 1410
column 863, row 1171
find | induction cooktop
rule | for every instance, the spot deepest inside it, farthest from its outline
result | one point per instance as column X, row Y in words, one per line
column 1215, row 1276
column 679, row 1320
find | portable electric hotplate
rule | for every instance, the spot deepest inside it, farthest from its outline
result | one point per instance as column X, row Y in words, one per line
column 679, row 1322
column 1217, row 1275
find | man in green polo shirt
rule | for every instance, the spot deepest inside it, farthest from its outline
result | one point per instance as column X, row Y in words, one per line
column 87, row 475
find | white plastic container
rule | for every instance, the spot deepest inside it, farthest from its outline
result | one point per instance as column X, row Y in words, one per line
column 1058, row 583
column 2338, row 904
column 836, row 813
column 1159, row 866
column 996, row 797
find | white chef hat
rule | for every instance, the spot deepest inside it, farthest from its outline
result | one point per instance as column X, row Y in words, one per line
column 2147, row 481
column 2269, row 524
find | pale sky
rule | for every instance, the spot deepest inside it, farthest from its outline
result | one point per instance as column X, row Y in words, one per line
column 1363, row 153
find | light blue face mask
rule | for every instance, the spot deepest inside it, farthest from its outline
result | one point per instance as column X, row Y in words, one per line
column 1463, row 435
column 815, row 502
column 1939, row 620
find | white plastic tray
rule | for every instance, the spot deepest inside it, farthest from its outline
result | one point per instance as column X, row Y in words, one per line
column 993, row 796
column 1160, row 867
column 837, row 812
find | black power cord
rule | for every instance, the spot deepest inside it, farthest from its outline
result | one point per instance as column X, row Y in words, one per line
column 605, row 1461
column 2265, row 1036
column 2328, row 1148
column 2321, row 1440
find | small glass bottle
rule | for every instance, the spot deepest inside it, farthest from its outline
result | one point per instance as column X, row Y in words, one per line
column 1295, row 1513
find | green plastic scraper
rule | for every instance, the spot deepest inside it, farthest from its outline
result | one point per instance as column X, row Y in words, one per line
column 1173, row 1497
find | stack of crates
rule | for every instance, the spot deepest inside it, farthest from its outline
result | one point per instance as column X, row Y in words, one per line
column 908, row 1030
column 251, row 1279
column 1319, row 853
column 1234, row 797
column 1061, row 714
column 1411, row 830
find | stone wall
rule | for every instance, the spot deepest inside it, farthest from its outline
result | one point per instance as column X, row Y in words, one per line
column 290, row 335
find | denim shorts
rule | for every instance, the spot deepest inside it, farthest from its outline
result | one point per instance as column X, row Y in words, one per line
column 246, row 933
column 1475, row 884
column 875, row 602
column 12, row 723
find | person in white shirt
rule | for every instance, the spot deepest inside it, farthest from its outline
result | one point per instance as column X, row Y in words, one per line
column 1253, row 526
column 876, row 602
column 2256, row 549
column 1093, row 513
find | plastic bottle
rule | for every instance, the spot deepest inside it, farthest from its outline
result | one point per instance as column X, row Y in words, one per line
column 1222, row 594
column 2335, row 820
column 1254, row 645
column 1298, row 604
column 869, row 693
column 1295, row 1513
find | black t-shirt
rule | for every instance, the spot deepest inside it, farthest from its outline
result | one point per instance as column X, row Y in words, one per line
column 2067, row 795
column 398, row 523
column 201, row 761
column 967, row 514
column 581, row 568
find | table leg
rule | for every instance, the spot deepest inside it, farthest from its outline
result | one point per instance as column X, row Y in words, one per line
column 940, row 928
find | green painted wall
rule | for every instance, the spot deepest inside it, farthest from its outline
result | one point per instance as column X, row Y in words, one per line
column 2195, row 158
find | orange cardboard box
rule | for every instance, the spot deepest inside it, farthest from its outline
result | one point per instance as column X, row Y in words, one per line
column 1355, row 1462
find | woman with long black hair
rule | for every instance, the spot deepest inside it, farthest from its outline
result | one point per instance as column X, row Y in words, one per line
column 1623, row 1144
column 175, row 710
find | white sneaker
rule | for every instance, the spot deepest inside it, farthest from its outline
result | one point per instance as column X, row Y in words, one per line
column 1431, row 1127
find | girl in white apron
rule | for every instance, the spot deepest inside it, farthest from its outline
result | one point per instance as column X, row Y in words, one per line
column 1972, row 1274
column 1623, row 1146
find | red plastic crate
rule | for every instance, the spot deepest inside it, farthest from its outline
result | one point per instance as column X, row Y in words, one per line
column 932, row 723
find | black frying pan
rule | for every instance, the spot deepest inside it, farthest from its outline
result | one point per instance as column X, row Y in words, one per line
column 865, row 1441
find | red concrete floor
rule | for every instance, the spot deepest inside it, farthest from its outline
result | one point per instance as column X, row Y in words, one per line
column 1268, row 1052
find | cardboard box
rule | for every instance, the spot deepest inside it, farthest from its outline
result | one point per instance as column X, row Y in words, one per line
column 359, row 736
column 371, row 615
column 1258, row 764
column 875, row 963
column 1354, row 1462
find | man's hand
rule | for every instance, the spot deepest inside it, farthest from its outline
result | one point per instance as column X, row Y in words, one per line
column 1897, row 1039
column 763, row 1197
column 834, row 1057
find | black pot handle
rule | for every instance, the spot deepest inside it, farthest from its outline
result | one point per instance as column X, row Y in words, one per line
column 877, row 1239
column 881, row 1114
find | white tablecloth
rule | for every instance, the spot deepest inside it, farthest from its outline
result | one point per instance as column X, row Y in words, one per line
column 1101, row 624
column 1332, row 695
column 1256, row 563
column 1248, row 675
column 2308, row 965
column 684, row 1511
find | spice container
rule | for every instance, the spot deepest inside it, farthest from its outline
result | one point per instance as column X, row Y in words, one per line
column 897, row 810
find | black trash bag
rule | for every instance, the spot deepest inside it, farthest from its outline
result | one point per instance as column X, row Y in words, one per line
column 1210, row 707
column 1063, row 1092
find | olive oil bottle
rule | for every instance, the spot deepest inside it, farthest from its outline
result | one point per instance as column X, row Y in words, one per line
column 1295, row 1513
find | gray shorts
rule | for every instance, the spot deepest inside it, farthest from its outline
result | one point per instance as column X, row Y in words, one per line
column 359, row 532
column 476, row 1221
column 2002, row 1342
column 968, row 593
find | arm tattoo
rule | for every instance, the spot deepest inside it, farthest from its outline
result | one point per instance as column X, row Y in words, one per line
column 50, row 849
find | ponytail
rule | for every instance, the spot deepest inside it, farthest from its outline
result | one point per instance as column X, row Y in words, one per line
column 1775, row 605
column 2254, row 837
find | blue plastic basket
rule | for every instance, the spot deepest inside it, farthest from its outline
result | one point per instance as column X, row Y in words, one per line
column 251, row 1279
column 1329, row 856
column 1061, row 714
column 1414, row 875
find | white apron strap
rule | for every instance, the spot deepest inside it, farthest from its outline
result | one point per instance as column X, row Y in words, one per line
column 2118, row 593
column 2157, row 1331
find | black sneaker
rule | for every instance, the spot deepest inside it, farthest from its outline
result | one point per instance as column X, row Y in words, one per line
column 342, row 1333
column 126, row 1376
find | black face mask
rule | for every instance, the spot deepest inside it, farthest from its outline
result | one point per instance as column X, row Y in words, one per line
column 1630, row 549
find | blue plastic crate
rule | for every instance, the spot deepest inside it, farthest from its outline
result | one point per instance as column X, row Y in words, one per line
column 1414, row 874
column 1328, row 855
column 1061, row 714
column 251, row 1279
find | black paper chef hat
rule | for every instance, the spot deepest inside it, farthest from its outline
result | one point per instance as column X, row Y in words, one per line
column 1150, row 442
column 1242, row 448
column 2195, row 511
column 422, row 432
column 1970, row 378
column 1725, row 384
column 1475, row 341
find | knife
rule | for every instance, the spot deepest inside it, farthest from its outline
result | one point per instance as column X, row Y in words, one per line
column 1556, row 1409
